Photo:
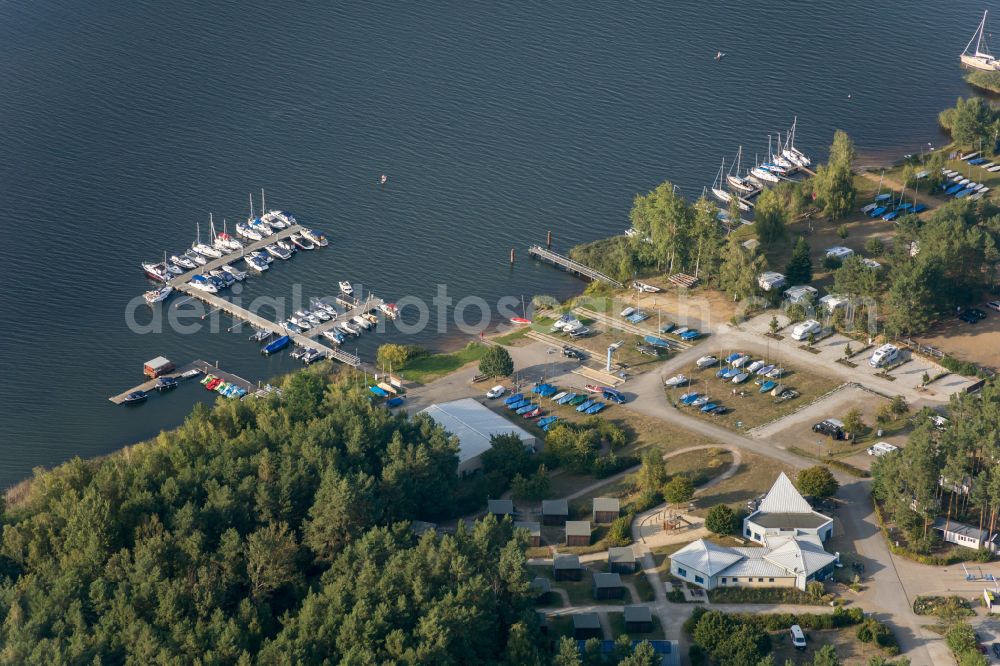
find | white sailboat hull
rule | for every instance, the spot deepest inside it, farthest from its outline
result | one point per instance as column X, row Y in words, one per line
column 765, row 175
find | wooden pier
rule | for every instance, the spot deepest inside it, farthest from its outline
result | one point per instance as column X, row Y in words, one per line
column 204, row 367
column 571, row 266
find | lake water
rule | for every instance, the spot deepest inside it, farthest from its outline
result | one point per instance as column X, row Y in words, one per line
column 125, row 124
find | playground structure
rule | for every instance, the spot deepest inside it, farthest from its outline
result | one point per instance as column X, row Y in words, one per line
column 673, row 520
column 970, row 576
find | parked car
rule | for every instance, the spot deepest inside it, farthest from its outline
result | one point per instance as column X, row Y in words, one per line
column 569, row 352
column 831, row 428
column 580, row 332
column 495, row 392
column 798, row 638
column 995, row 305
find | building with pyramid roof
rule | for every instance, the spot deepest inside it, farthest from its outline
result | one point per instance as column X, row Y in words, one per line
column 791, row 553
column 784, row 512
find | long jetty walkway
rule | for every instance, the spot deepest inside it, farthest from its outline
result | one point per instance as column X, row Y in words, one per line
column 301, row 339
column 572, row 266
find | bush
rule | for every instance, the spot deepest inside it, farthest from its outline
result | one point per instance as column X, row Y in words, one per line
column 817, row 481
column 961, row 638
column 960, row 367
column 605, row 466
column 496, row 362
column 620, row 531
column 853, row 422
column 679, row 489
column 874, row 247
column 832, row 263
column 721, row 520
column 842, row 231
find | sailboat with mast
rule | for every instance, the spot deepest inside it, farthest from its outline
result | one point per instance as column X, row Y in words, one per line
column 724, row 195
column 791, row 153
column 734, row 178
column 762, row 171
column 980, row 58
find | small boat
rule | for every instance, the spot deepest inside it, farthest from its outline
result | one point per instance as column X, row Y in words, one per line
column 537, row 411
column 596, row 407
column 157, row 295
column 577, row 400
column 690, row 334
column 322, row 315
column 776, row 373
column 183, row 261
column 676, row 380
column 333, row 336
column 383, row 180
column 315, row 236
column 680, row 331
column 277, row 251
column 291, row 327
column 719, row 55
column 764, row 174
column 263, row 256
column 740, row 362
column 347, row 328
column 260, row 334
column 237, row 274
column 390, row 310
column 709, row 406
column 566, row 398
column 213, row 384
column 361, row 321
column 226, row 278
column 206, row 379
column 740, row 378
column 699, row 401
column 134, row 398
column 301, row 323
column 526, row 408
column 301, row 242
column 285, row 245
column 558, row 396
column 188, row 374
column 735, row 355
column 594, row 388
column 370, row 317
column 766, row 369
column 585, row 405
column 255, row 264
column 520, row 321
column 729, row 373
column 248, row 232
column 156, row 271
column 510, row 400
column 173, row 269
column 276, row 345
column 206, row 250
column 706, row 361
column 691, row 397
column 195, row 258
column 202, row 283
column 311, row 356
column 346, row 288
column 767, row 386
column 755, row 366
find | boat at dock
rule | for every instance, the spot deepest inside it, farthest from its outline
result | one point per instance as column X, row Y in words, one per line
column 135, row 398
column 202, row 283
column 764, row 175
column 315, row 236
column 237, row 274
column 156, row 271
column 183, row 261
column 157, row 295
column 277, row 251
column 195, row 258
column 346, row 288
column 980, row 57
column 301, row 242
column 276, row 345
column 734, row 179
column 390, row 310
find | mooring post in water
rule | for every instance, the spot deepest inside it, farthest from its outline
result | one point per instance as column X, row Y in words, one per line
column 548, row 240
column 512, row 255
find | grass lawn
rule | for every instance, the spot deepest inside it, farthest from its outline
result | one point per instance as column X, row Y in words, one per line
column 749, row 408
column 514, row 338
column 428, row 368
column 617, row 622
column 702, row 465
column 642, row 586
column 850, row 650
column 755, row 476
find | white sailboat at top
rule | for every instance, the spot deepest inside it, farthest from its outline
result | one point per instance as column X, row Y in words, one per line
column 735, row 180
column 790, row 152
column 981, row 58
column 779, row 158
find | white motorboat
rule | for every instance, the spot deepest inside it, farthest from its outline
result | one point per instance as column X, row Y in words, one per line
column 361, row 321
column 331, row 336
column 156, row 271
column 289, row 326
column 279, row 252
column 285, row 245
column 390, row 310
column 301, row 323
column 255, row 264
column 755, row 366
column 174, row 269
column 206, row 250
column 349, row 329
column 202, row 283
column 264, row 256
column 676, row 380
column 301, row 242
column 321, row 314
column 157, row 295
column 183, row 261
column 346, row 288
column 315, row 237
column 248, row 232
column 237, row 274
column 763, row 174
column 706, row 361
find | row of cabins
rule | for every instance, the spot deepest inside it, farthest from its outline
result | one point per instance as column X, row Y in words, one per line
column 638, row 620
column 556, row 513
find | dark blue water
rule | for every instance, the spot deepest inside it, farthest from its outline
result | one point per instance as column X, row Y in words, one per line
column 124, row 124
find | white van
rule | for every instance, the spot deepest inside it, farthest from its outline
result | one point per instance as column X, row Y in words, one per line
column 884, row 355
column 798, row 638
column 627, row 311
column 802, row 330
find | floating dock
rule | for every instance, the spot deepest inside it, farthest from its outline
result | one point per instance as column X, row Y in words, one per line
column 203, row 367
column 213, row 264
column 571, row 266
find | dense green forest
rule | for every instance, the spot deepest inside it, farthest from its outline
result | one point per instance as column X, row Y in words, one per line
column 271, row 531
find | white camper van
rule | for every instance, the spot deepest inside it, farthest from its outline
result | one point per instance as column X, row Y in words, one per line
column 802, row 330
column 884, row 355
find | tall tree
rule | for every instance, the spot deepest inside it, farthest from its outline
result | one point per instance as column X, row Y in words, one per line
column 496, row 362
column 770, row 217
column 664, row 218
column 706, row 235
column 740, row 268
column 834, row 181
column 271, row 559
column 817, row 481
column 799, row 269
column 344, row 507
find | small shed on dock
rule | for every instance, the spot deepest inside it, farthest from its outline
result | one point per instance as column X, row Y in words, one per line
column 157, row 367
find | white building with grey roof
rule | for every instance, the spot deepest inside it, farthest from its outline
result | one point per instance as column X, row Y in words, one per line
column 784, row 512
